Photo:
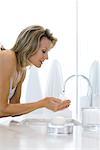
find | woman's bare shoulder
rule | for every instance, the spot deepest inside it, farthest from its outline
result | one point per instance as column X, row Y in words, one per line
column 7, row 60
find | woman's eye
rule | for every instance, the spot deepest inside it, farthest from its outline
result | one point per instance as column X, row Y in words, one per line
column 43, row 51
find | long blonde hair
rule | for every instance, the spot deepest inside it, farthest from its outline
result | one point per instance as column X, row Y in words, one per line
column 28, row 41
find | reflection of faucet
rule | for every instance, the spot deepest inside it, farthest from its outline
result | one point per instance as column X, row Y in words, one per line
column 89, row 83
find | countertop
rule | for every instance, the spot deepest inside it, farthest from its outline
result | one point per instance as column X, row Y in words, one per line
column 19, row 136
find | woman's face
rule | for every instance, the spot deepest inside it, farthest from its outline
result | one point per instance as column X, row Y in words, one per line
column 42, row 54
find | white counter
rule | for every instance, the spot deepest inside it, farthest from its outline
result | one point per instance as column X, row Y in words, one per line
column 16, row 136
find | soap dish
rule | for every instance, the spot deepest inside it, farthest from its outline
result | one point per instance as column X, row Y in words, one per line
column 60, row 129
column 60, row 125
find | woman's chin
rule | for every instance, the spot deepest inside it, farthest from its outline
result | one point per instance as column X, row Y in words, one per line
column 38, row 66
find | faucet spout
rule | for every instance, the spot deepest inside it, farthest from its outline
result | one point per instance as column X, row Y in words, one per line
column 88, row 81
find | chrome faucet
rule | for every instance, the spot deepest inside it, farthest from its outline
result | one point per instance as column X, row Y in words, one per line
column 88, row 81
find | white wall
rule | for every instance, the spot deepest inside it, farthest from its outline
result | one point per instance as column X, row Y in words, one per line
column 89, row 33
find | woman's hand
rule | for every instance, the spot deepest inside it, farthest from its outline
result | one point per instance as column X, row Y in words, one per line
column 56, row 104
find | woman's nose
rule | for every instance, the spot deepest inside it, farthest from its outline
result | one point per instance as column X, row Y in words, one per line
column 46, row 56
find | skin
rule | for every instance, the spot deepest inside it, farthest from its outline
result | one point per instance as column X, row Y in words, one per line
column 14, row 107
column 42, row 54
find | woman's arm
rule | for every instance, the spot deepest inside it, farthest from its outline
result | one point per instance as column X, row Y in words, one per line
column 51, row 103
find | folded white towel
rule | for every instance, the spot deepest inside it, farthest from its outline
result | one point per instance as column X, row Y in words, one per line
column 33, row 88
column 94, row 77
column 55, row 80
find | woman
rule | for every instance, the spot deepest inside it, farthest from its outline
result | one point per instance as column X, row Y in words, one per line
column 31, row 48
